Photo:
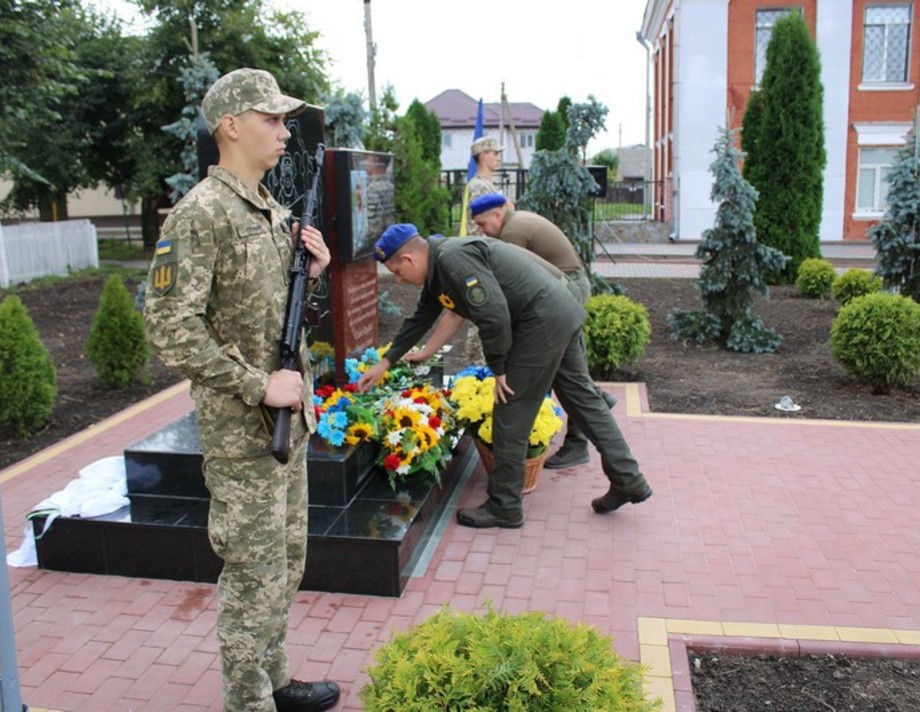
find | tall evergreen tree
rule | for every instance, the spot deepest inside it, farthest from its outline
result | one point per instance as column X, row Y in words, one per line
column 420, row 199
column 897, row 236
column 551, row 134
column 750, row 130
column 786, row 144
column 733, row 264
column 428, row 128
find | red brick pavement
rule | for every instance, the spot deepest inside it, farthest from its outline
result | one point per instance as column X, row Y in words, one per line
column 779, row 521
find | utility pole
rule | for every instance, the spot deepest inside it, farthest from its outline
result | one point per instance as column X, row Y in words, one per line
column 371, row 52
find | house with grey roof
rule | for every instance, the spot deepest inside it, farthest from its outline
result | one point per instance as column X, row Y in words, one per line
column 456, row 110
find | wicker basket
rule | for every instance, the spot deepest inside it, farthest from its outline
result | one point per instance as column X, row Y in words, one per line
column 532, row 465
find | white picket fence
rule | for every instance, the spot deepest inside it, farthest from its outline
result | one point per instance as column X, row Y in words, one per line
column 35, row 250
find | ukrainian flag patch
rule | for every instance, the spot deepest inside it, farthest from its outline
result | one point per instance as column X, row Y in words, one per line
column 164, row 247
column 471, row 282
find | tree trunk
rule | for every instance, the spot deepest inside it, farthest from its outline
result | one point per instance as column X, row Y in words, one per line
column 52, row 205
column 150, row 221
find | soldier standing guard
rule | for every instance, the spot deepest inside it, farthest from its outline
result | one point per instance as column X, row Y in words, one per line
column 531, row 335
column 215, row 310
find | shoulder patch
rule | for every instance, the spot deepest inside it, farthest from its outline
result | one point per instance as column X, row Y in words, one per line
column 163, row 276
column 446, row 301
column 476, row 295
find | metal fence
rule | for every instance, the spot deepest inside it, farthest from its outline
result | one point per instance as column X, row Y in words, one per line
column 630, row 201
column 35, row 250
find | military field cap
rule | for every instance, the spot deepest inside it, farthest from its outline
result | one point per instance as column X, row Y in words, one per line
column 487, row 202
column 486, row 143
column 245, row 89
column 392, row 239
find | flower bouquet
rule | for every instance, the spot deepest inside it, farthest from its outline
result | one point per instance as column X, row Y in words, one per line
column 412, row 423
column 473, row 395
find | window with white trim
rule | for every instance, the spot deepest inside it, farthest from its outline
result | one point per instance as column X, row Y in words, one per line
column 447, row 139
column 766, row 19
column 872, row 184
column 886, row 43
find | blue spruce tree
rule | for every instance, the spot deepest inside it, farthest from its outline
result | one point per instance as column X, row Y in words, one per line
column 733, row 266
column 896, row 237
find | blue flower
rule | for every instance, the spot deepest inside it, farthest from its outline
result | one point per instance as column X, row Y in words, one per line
column 370, row 356
column 351, row 368
column 338, row 419
column 480, row 372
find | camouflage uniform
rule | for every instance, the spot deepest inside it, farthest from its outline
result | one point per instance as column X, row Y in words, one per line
column 531, row 322
column 215, row 308
column 476, row 186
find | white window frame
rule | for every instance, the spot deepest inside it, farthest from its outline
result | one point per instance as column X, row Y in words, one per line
column 875, row 135
column 885, row 84
column 758, row 68
column 447, row 139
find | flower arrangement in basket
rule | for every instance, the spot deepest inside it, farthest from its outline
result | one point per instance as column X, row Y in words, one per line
column 473, row 395
column 412, row 422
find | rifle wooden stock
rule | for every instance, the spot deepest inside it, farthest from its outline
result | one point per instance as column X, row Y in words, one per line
column 293, row 320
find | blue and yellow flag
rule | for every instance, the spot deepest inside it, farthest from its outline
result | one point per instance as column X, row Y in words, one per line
column 470, row 172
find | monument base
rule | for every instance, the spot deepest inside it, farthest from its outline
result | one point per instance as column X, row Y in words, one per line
column 367, row 545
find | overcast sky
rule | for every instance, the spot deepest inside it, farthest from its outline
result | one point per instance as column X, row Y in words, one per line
column 574, row 48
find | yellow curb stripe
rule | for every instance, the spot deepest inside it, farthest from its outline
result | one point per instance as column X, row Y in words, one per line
column 653, row 643
column 634, row 409
column 92, row 431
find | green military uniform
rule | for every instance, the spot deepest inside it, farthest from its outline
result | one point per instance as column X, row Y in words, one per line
column 215, row 310
column 530, row 324
column 542, row 237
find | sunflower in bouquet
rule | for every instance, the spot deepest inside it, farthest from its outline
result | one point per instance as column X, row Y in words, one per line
column 417, row 432
column 473, row 395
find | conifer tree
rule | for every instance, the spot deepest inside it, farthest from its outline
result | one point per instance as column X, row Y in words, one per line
column 551, row 134
column 786, row 145
column 117, row 345
column 733, row 264
column 896, row 237
column 28, row 380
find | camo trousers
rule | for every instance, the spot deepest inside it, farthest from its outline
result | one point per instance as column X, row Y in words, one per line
column 258, row 526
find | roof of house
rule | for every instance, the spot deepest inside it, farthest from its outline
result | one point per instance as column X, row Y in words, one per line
column 456, row 109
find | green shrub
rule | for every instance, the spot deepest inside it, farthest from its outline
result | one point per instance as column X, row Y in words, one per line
column 877, row 339
column 28, row 380
column 616, row 331
column 117, row 346
column 815, row 278
column 525, row 663
column 855, row 283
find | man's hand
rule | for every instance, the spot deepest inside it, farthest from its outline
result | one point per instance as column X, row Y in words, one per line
column 285, row 390
column 502, row 389
column 313, row 241
column 372, row 375
column 419, row 356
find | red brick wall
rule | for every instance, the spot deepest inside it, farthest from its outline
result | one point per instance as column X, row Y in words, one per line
column 869, row 106
column 742, row 19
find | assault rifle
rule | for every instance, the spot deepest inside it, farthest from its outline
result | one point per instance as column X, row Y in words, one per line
column 296, row 304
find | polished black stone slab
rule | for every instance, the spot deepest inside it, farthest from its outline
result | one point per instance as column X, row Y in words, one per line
column 366, row 547
column 168, row 464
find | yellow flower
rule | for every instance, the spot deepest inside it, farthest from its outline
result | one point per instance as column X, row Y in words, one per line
column 406, row 417
column 485, row 430
column 358, row 432
column 446, row 301
column 427, row 437
column 545, row 426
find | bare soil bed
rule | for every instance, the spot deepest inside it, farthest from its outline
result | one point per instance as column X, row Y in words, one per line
column 680, row 378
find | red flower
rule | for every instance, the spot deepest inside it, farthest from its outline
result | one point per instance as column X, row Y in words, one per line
column 406, row 393
column 325, row 391
column 421, row 400
column 434, row 421
column 350, row 388
column 391, row 461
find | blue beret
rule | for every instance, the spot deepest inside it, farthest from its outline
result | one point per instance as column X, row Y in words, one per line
column 392, row 239
column 487, row 202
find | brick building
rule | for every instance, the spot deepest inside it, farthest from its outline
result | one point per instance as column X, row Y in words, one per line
column 707, row 56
